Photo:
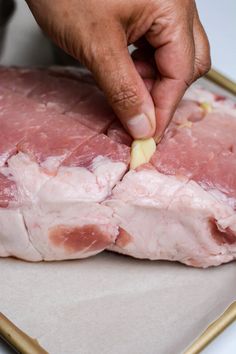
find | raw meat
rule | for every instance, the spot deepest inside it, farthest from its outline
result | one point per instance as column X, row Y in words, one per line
column 188, row 205
column 66, row 191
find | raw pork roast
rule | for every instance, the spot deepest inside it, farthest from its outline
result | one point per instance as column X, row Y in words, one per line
column 66, row 190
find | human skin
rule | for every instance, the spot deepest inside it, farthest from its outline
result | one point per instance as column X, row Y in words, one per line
column 143, row 90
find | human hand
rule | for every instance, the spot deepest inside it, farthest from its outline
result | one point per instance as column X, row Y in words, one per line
column 173, row 51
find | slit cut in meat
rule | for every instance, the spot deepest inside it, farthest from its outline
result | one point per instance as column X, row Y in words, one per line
column 226, row 236
column 66, row 190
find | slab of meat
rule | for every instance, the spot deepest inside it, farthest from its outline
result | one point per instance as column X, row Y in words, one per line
column 66, row 190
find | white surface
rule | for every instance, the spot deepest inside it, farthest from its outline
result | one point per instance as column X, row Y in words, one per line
column 112, row 304
column 219, row 20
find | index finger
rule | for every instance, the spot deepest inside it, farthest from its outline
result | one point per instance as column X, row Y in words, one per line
column 175, row 64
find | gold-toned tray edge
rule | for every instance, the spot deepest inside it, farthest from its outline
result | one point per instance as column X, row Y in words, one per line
column 213, row 331
column 221, row 80
column 18, row 339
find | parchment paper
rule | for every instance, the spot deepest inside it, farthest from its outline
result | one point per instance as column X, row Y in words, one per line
column 113, row 304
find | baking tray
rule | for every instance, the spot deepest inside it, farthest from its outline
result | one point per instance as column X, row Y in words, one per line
column 219, row 79
column 17, row 339
column 27, row 345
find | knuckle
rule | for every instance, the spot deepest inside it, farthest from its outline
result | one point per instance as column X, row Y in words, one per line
column 66, row 40
column 87, row 53
column 207, row 64
column 202, row 66
column 203, row 59
column 124, row 97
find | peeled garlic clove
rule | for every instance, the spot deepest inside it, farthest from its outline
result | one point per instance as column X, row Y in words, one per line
column 206, row 106
column 141, row 152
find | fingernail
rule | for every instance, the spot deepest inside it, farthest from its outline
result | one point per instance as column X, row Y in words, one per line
column 140, row 126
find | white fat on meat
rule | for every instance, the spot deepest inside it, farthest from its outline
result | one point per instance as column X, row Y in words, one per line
column 60, row 206
column 3, row 252
column 80, row 184
column 70, row 230
column 52, row 163
column 70, row 183
column 108, row 173
column 201, row 95
column 28, row 176
column 14, row 236
column 175, row 214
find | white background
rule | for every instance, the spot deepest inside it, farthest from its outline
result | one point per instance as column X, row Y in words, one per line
column 219, row 20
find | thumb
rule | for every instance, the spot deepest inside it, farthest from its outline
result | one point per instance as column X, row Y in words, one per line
column 125, row 90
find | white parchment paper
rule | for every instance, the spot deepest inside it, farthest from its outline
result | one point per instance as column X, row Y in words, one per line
column 113, row 304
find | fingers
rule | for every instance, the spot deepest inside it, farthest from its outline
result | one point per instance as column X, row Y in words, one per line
column 202, row 62
column 145, row 70
column 117, row 76
column 144, row 62
column 166, row 34
column 180, row 57
column 149, row 84
column 174, row 58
